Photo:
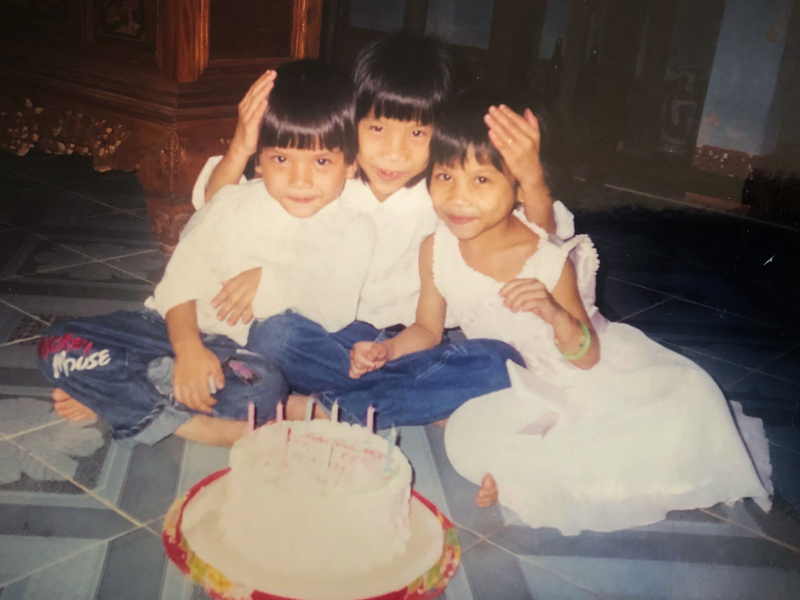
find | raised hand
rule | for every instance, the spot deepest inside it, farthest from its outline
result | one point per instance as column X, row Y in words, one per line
column 251, row 111
column 530, row 295
column 366, row 357
column 517, row 139
column 235, row 300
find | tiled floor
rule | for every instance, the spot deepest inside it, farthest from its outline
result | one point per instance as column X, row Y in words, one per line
column 80, row 516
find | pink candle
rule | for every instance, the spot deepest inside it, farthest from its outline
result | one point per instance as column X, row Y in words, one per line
column 371, row 418
column 279, row 412
column 251, row 416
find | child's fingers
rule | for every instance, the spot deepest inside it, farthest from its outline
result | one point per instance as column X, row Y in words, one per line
column 247, row 315
column 236, row 312
column 532, row 120
column 516, row 284
column 515, row 300
column 498, row 128
column 519, row 123
column 218, row 376
column 510, row 123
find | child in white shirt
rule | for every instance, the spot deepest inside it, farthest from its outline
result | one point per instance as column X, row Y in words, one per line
column 181, row 369
column 401, row 81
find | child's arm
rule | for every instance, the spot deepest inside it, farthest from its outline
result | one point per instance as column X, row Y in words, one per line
column 425, row 333
column 195, row 365
column 563, row 309
column 517, row 139
column 245, row 138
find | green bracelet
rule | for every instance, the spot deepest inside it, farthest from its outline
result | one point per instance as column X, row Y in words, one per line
column 587, row 341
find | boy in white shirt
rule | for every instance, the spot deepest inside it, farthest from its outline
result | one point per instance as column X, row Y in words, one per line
column 182, row 370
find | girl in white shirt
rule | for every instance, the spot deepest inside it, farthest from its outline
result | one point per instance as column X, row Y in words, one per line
column 604, row 429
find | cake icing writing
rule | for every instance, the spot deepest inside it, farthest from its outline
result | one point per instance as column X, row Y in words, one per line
column 316, row 496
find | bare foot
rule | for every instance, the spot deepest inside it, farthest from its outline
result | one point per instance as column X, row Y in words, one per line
column 212, row 431
column 296, row 409
column 70, row 409
column 488, row 494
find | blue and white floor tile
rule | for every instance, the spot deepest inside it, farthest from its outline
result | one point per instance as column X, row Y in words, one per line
column 80, row 517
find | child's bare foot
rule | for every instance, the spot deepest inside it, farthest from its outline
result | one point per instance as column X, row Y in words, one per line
column 70, row 409
column 296, row 409
column 488, row 494
column 212, row 431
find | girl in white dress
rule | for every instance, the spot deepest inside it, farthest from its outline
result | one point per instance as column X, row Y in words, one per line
column 584, row 438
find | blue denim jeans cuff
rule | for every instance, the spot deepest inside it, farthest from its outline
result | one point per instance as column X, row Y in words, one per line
column 159, row 428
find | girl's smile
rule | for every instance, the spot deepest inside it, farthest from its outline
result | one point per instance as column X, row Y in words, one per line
column 472, row 198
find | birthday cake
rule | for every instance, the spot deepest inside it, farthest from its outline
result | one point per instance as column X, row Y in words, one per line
column 318, row 496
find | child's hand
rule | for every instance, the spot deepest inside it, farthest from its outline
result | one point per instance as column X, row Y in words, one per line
column 517, row 139
column 530, row 295
column 251, row 110
column 192, row 374
column 235, row 300
column 366, row 357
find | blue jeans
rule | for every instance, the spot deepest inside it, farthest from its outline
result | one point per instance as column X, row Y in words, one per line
column 415, row 389
column 120, row 366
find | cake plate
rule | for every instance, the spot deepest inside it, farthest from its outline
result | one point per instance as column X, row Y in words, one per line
column 427, row 586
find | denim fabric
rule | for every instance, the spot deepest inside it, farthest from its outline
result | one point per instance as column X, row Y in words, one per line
column 120, row 366
column 415, row 389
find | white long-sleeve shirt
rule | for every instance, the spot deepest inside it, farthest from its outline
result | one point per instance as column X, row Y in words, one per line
column 391, row 291
column 315, row 266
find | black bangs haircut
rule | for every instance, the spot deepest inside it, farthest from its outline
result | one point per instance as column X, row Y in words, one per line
column 311, row 106
column 461, row 125
column 402, row 76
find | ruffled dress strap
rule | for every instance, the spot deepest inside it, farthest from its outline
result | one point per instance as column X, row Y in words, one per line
column 583, row 254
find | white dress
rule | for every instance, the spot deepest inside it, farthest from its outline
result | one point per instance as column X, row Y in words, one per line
column 644, row 432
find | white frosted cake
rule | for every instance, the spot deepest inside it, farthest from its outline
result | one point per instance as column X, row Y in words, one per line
column 317, row 496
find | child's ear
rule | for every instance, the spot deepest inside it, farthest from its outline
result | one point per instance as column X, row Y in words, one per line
column 352, row 169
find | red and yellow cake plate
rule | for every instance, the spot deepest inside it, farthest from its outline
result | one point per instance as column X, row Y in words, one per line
column 210, row 547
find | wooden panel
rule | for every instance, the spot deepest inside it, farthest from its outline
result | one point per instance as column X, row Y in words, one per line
column 128, row 82
column 245, row 29
column 49, row 24
column 128, row 24
column 184, row 44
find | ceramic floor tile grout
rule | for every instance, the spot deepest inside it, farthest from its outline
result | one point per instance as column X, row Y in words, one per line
column 20, row 341
column 530, row 560
column 82, row 487
column 49, row 269
column 681, row 297
column 24, row 312
column 782, row 447
column 99, row 543
column 768, row 362
column 83, row 264
column 756, row 532
column 11, row 436
column 638, row 312
column 129, row 273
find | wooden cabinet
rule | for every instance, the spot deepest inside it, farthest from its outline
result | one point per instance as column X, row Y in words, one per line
column 151, row 85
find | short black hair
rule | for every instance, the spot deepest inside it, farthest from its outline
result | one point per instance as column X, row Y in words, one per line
column 461, row 125
column 312, row 105
column 402, row 76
